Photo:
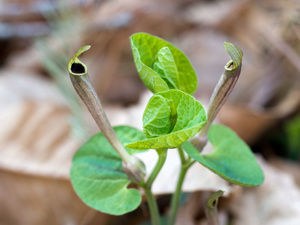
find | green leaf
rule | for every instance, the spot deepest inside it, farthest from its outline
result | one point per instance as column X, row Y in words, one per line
column 127, row 134
column 232, row 159
column 162, row 66
column 150, row 78
column 159, row 118
column 165, row 66
column 156, row 119
column 98, row 177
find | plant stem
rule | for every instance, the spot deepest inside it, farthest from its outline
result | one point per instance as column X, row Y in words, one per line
column 162, row 156
column 155, row 218
column 218, row 98
column 181, row 154
column 175, row 198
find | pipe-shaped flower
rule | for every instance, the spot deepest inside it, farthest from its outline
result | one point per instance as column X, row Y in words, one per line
column 221, row 91
column 133, row 167
column 227, row 81
column 75, row 66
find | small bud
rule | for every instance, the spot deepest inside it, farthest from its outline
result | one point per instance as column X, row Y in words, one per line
column 211, row 208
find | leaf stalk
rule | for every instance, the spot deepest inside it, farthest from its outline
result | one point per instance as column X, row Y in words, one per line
column 162, row 156
column 155, row 218
column 175, row 198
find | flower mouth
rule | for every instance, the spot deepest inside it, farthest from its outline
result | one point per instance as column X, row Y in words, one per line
column 77, row 68
column 230, row 65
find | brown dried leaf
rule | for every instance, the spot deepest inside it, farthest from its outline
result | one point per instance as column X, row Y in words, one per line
column 275, row 202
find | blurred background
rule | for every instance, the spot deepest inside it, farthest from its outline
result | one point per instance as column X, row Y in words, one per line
column 43, row 122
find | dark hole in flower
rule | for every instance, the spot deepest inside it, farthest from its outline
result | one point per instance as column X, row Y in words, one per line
column 230, row 65
column 214, row 204
column 77, row 68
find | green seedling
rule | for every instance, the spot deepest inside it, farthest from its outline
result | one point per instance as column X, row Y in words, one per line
column 173, row 119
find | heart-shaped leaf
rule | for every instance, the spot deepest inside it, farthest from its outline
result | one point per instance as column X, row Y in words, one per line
column 162, row 66
column 189, row 116
column 232, row 159
column 98, row 177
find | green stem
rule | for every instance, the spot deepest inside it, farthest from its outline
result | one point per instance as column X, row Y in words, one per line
column 181, row 154
column 155, row 218
column 162, row 156
column 176, row 195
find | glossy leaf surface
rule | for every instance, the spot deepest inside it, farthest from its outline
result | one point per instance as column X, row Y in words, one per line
column 162, row 66
column 159, row 126
column 98, row 177
column 232, row 159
